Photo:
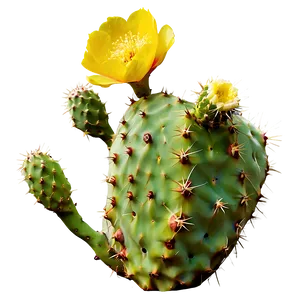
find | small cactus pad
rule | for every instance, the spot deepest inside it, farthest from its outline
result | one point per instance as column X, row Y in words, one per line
column 47, row 181
column 180, row 193
column 49, row 185
column 89, row 114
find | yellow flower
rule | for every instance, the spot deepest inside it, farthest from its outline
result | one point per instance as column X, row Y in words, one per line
column 125, row 51
column 223, row 94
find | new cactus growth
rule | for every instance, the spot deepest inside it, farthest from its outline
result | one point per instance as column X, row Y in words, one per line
column 90, row 114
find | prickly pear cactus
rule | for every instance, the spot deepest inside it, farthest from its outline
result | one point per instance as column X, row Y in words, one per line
column 184, row 178
column 50, row 188
column 90, row 114
column 180, row 193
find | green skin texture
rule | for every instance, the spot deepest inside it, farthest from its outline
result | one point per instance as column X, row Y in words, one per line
column 49, row 186
column 179, row 193
column 90, row 115
column 155, row 168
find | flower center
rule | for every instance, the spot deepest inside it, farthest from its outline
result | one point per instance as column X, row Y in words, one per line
column 126, row 47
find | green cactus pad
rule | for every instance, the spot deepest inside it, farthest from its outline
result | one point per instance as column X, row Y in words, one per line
column 180, row 193
column 89, row 114
column 51, row 188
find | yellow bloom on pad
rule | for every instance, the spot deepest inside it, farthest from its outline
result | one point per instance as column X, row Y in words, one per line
column 125, row 51
column 223, row 94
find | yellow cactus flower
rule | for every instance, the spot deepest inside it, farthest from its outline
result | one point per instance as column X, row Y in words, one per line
column 126, row 51
column 223, row 94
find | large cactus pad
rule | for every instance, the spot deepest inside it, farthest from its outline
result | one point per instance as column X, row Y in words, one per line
column 180, row 193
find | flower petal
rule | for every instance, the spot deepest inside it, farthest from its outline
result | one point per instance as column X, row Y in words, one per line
column 166, row 39
column 141, row 64
column 101, row 80
column 86, row 61
column 137, row 20
column 126, row 51
column 142, row 22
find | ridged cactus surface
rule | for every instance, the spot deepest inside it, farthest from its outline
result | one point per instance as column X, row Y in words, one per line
column 180, row 193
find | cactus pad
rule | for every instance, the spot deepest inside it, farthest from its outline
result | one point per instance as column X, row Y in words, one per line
column 88, row 113
column 180, row 193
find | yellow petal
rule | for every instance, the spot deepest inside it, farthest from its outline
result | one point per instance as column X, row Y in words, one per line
column 141, row 64
column 86, row 61
column 141, row 19
column 101, row 80
column 142, row 22
column 166, row 39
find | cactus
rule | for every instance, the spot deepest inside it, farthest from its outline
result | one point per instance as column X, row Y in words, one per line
column 185, row 177
column 90, row 114
column 50, row 188
column 180, row 193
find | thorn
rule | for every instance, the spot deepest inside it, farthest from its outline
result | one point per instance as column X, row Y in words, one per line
column 242, row 176
column 170, row 244
column 53, row 185
column 114, row 157
column 154, row 274
column 176, row 223
column 235, row 150
column 183, row 155
column 147, row 138
column 260, row 197
column 123, row 122
column 129, row 151
column 238, row 227
column 150, row 195
column 185, row 187
column 187, row 113
column 122, row 255
column 123, row 135
column 130, row 195
column 113, row 201
column 185, row 132
column 179, row 100
column 119, row 237
column 244, row 200
column 142, row 114
column 131, row 178
column 219, row 205
column 164, row 92
column 112, row 180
